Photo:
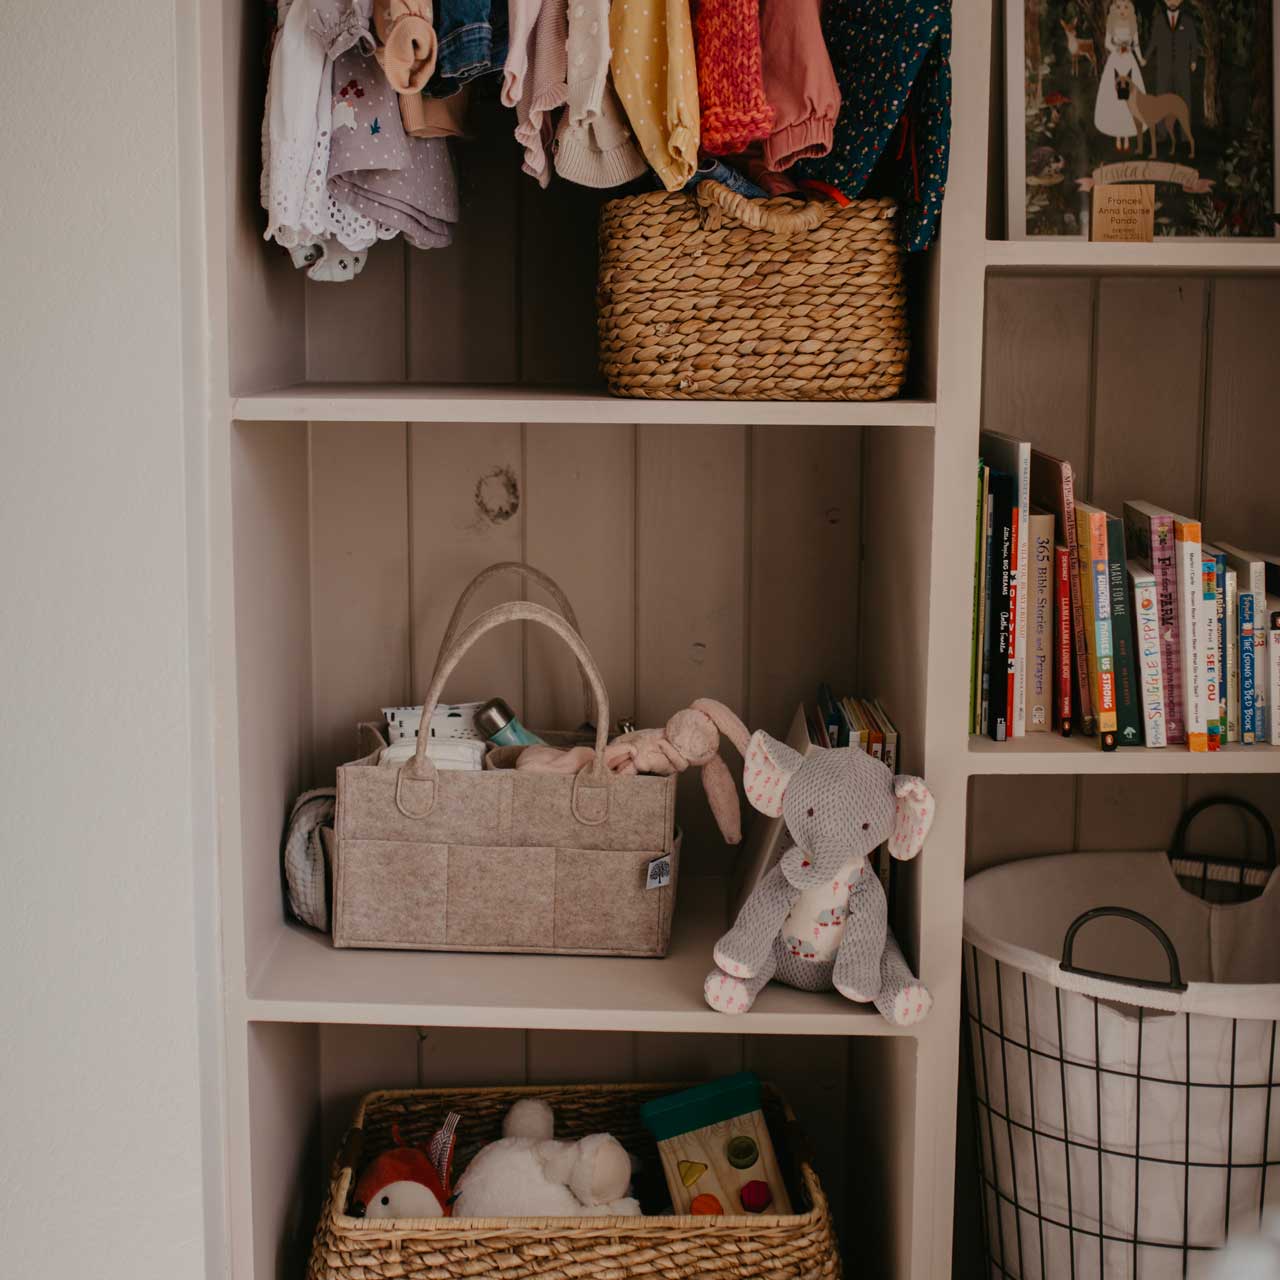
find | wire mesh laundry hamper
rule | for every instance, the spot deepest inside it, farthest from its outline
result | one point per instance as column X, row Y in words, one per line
column 1126, row 1097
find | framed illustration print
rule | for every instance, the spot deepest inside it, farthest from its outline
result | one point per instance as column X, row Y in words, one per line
column 1179, row 94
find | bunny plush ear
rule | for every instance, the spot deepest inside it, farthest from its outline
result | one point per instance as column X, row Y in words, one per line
column 770, row 765
column 913, row 816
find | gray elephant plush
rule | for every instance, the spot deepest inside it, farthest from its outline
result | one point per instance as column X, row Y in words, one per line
column 819, row 919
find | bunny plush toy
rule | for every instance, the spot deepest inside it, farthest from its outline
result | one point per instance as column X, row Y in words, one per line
column 819, row 919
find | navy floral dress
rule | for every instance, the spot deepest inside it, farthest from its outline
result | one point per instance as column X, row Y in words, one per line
column 892, row 59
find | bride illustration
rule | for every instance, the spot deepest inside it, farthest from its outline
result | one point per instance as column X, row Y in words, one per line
column 1124, row 57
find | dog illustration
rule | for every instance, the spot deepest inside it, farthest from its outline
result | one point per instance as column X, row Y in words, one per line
column 1079, row 48
column 1150, row 110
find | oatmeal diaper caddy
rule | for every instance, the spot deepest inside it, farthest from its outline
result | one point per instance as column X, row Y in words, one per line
column 503, row 859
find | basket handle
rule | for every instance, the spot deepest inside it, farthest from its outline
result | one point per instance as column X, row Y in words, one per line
column 1178, row 845
column 416, row 779
column 530, row 574
column 716, row 200
column 1174, row 983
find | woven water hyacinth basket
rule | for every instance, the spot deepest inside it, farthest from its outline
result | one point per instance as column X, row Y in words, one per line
column 800, row 1246
column 710, row 295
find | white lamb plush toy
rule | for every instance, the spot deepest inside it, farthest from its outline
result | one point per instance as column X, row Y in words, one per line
column 528, row 1174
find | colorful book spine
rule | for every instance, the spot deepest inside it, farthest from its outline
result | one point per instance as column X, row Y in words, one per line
column 1149, row 535
column 1095, row 588
column 1062, row 642
column 1129, row 731
column 1014, row 458
column 1040, row 624
column 1273, row 681
column 1248, row 670
column 1193, row 631
column 984, row 693
column 1212, row 669
column 1146, row 629
column 1017, row 603
column 1220, row 631
column 1252, row 571
column 1231, row 630
column 1002, row 515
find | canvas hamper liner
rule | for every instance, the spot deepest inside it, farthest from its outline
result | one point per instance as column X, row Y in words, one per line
column 709, row 295
column 1122, row 1012
column 501, row 859
column 799, row 1246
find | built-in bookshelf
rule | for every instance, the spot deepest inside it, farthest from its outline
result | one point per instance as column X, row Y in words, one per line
column 348, row 429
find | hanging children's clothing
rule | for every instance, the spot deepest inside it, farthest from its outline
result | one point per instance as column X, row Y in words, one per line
column 734, row 109
column 407, row 49
column 540, row 81
column 599, row 152
column 427, row 117
column 471, row 41
column 656, row 75
column 403, row 183
column 892, row 61
column 799, row 82
column 327, row 261
column 297, row 124
column 594, row 147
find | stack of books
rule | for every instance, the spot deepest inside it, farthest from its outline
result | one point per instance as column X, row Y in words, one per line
column 829, row 721
column 1131, row 627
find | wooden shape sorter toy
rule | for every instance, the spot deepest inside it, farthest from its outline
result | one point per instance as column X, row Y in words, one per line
column 715, row 1148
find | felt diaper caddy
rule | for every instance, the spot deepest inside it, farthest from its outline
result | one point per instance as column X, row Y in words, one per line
column 800, row 1245
column 710, row 295
column 502, row 859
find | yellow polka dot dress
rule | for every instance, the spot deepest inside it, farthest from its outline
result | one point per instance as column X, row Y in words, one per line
column 656, row 76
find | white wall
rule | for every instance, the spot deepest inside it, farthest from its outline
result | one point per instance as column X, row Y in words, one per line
column 100, row 1097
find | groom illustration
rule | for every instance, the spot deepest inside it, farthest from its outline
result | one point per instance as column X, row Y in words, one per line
column 1172, row 51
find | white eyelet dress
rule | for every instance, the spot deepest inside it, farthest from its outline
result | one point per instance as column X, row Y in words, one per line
column 297, row 122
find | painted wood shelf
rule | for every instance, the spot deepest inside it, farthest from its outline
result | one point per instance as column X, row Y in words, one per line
column 1049, row 753
column 409, row 402
column 305, row 979
column 1162, row 254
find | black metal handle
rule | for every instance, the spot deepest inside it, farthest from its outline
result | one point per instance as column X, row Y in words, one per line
column 1175, row 982
column 1178, row 845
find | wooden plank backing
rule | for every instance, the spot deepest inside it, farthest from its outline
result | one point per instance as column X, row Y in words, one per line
column 462, row 321
column 1127, row 812
column 1242, row 453
column 356, row 330
column 466, row 501
column 1018, row 817
column 359, row 581
column 1150, row 366
column 690, row 595
column 558, row 283
column 580, row 528
column 471, row 1056
column 1037, row 362
column 353, row 1061
column 805, row 493
column 580, row 1057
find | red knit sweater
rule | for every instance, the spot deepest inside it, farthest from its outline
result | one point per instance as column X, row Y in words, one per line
column 734, row 109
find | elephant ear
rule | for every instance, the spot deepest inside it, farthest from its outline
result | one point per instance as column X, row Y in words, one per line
column 770, row 765
column 914, row 806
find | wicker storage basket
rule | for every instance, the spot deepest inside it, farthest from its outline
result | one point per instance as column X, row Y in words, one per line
column 798, row 1246
column 713, row 296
